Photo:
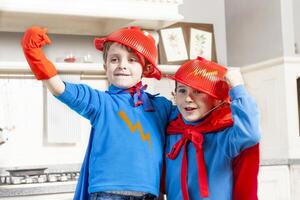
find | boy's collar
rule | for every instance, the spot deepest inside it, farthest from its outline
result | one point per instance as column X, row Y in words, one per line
column 114, row 89
column 194, row 123
column 140, row 97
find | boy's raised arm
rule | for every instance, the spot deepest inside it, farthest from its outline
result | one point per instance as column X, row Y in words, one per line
column 55, row 85
column 245, row 113
column 32, row 42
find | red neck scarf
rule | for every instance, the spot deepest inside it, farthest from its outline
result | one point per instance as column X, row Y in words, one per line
column 140, row 97
column 218, row 120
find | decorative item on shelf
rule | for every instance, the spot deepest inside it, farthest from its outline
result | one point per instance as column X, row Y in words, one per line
column 5, row 133
column 70, row 58
column 183, row 41
column 174, row 44
column 2, row 138
column 200, row 44
column 87, row 58
column 296, row 48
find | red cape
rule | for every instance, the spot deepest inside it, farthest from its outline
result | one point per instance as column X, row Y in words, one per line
column 245, row 171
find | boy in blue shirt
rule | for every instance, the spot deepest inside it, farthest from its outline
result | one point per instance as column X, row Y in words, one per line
column 209, row 132
column 124, row 155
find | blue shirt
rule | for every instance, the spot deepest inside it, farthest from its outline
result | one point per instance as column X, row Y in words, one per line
column 126, row 151
column 219, row 150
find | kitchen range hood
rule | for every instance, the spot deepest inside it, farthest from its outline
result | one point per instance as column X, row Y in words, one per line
column 87, row 17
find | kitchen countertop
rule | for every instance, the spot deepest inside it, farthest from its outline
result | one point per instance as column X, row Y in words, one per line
column 40, row 188
column 69, row 186
column 37, row 189
column 76, row 167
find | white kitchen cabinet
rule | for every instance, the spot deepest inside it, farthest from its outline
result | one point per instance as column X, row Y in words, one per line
column 87, row 17
column 274, row 183
column 295, row 181
column 20, row 98
column 273, row 84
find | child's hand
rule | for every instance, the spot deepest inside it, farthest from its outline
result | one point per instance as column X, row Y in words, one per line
column 33, row 39
column 234, row 77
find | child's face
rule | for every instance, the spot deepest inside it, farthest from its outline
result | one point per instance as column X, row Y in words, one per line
column 193, row 104
column 123, row 68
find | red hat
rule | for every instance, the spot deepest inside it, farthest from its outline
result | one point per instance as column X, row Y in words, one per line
column 141, row 42
column 205, row 76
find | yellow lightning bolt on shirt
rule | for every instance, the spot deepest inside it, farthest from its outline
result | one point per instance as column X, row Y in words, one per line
column 133, row 127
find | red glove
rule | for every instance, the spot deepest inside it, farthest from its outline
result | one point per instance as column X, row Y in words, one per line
column 33, row 41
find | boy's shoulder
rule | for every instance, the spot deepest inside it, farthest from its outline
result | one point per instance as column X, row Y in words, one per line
column 79, row 88
column 159, row 98
column 174, row 114
column 161, row 103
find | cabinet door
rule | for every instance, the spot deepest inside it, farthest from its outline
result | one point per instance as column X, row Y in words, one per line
column 19, row 98
column 274, row 183
column 21, row 114
column 295, row 181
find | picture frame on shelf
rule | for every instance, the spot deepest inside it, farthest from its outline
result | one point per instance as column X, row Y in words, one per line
column 174, row 44
column 198, row 40
column 200, row 44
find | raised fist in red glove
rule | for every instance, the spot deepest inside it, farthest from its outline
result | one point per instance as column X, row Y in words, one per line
column 33, row 41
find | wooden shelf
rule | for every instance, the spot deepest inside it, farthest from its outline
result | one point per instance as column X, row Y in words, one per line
column 87, row 17
column 77, row 68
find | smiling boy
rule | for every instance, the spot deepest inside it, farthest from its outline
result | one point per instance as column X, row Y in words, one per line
column 125, row 152
column 209, row 132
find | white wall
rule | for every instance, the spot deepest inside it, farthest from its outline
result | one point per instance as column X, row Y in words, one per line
column 258, row 30
column 10, row 48
column 253, row 31
column 296, row 8
column 212, row 12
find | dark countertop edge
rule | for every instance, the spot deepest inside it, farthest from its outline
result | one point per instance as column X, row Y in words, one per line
column 50, row 168
column 76, row 166
column 272, row 162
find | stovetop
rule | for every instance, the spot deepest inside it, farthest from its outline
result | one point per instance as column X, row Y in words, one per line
column 39, row 178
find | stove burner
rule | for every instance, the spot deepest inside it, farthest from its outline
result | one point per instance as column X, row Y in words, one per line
column 42, row 178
